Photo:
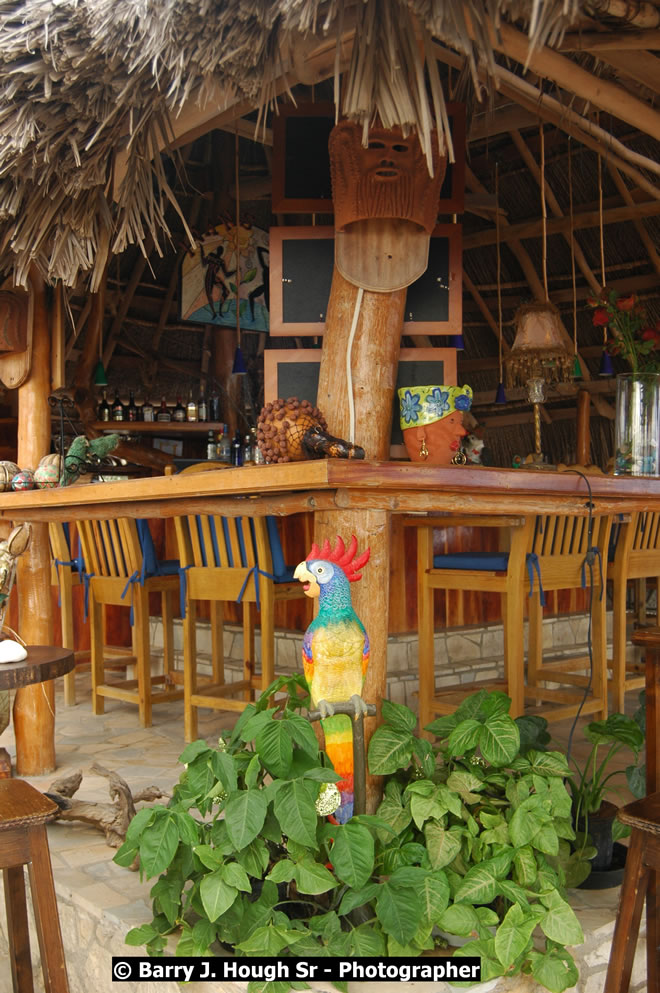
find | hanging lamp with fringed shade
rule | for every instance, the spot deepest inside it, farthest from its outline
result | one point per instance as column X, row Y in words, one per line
column 538, row 349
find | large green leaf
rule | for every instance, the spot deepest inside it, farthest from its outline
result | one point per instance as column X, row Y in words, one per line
column 352, row 854
column 193, row 750
column 465, row 736
column 559, row 922
column 302, row 733
column 389, row 750
column 254, row 858
column 434, row 894
column 500, row 740
column 158, row 845
column 466, row 784
column 268, row 940
column 235, row 875
column 399, row 912
column 357, row 898
column 471, row 706
column 617, row 729
column 525, row 868
column 244, row 816
column 549, row 763
column 312, row 877
column 460, row 919
column 555, row 969
column 367, row 942
column 275, row 748
column 295, row 810
column 393, row 813
column 443, row 846
column 217, row 895
column 513, row 935
column 282, row 872
column 224, row 768
column 210, row 857
column 398, row 716
column 479, row 885
column 424, row 808
column 138, row 824
column 166, row 894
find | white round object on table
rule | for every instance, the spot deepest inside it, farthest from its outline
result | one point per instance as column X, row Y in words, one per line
column 11, row 651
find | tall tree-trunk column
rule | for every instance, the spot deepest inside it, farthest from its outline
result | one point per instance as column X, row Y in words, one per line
column 34, row 706
column 373, row 362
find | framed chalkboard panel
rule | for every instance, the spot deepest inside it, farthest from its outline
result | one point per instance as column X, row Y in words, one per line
column 301, row 163
column 301, row 267
column 295, row 372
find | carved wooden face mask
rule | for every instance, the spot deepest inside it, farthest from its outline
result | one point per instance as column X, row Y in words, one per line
column 385, row 205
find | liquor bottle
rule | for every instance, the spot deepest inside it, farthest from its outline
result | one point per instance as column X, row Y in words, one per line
column 191, row 409
column 147, row 411
column 140, row 411
column 118, row 410
column 224, row 445
column 237, row 449
column 179, row 412
column 214, row 407
column 132, row 414
column 248, row 454
column 104, row 408
column 163, row 414
column 202, row 409
column 257, row 454
column 211, row 447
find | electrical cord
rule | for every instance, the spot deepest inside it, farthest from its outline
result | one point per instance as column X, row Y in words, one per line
column 591, row 555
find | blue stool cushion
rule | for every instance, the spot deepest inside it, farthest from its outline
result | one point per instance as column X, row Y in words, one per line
column 485, row 561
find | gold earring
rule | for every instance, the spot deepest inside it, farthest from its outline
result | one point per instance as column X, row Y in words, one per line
column 423, row 450
column 459, row 459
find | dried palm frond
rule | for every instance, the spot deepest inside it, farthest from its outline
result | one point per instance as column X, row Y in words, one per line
column 81, row 80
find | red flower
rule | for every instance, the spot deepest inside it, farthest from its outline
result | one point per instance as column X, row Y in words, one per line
column 626, row 303
column 601, row 318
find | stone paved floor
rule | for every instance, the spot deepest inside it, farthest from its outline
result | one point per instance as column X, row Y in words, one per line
column 115, row 898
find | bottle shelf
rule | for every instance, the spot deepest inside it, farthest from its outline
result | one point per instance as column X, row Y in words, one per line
column 161, row 429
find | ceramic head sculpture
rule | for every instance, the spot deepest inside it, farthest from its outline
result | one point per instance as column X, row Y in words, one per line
column 431, row 419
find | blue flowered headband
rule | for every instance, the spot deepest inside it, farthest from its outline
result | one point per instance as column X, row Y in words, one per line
column 426, row 404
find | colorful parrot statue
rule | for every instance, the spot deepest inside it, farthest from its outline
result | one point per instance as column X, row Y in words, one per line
column 335, row 652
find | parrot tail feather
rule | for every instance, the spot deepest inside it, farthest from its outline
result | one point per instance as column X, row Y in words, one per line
column 338, row 733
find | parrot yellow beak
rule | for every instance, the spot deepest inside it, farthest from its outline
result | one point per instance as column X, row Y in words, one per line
column 311, row 587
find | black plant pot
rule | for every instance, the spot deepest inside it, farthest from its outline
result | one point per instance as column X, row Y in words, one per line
column 608, row 864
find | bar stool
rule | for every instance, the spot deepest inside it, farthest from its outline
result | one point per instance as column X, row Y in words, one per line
column 23, row 841
column 643, row 862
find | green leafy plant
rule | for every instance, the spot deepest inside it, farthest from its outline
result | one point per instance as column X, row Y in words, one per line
column 463, row 841
column 594, row 781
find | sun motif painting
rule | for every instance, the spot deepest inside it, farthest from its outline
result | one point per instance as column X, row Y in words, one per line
column 229, row 262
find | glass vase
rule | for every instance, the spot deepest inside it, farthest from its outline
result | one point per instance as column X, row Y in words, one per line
column 637, row 425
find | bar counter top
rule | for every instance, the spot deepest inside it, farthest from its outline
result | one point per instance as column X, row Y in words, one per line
column 333, row 484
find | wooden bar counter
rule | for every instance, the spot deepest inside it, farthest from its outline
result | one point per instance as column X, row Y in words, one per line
column 370, row 491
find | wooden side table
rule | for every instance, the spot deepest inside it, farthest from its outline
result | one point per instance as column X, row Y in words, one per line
column 43, row 662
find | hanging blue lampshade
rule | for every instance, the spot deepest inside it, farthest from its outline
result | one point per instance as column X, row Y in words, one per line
column 606, row 367
column 239, row 368
column 500, row 396
column 457, row 342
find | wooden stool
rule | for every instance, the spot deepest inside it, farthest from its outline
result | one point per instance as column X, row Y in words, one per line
column 23, row 841
column 643, row 862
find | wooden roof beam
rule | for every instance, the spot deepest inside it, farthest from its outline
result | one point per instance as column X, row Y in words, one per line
column 561, row 225
column 618, row 41
column 643, row 67
column 547, row 108
column 569, row 76
column 647, row 241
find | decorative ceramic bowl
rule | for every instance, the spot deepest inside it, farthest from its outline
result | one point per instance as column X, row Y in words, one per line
column 7, row 472
column 23, row 480
column 47, row 476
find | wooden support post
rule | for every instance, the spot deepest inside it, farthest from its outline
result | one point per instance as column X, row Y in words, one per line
column 34, row 706
column 375, row 346
column 583, row 433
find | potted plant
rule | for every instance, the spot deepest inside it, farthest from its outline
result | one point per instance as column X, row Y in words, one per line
column 594, row 816
column 247, row 859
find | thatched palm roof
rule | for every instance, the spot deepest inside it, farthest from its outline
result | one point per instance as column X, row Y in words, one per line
column 84, row 80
